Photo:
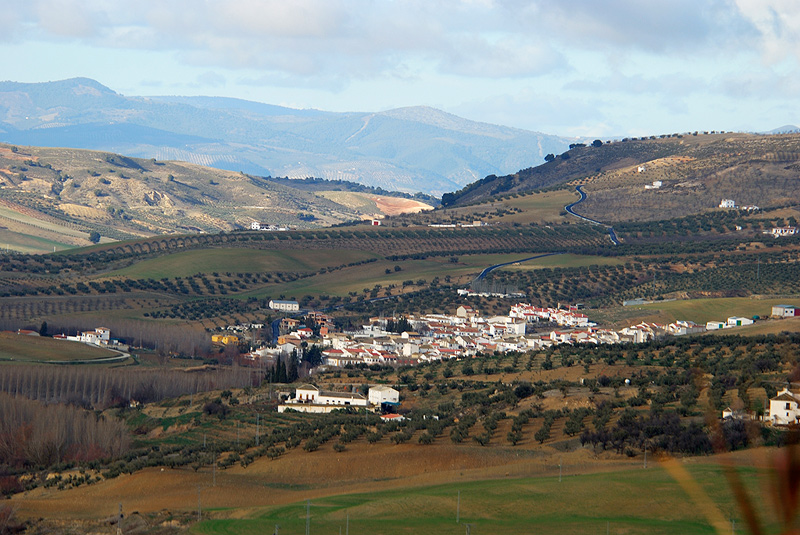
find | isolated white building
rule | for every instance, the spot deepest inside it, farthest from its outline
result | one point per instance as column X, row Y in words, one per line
column 101, row 335
column 783, row 409
column 727, row 203
column 737, row 321
column 286, row 306
column 383, row 394
column 785, row 311
column 309, row 398
column 779, row 232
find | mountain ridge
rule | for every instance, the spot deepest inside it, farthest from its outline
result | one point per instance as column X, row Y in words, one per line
column 406, row 149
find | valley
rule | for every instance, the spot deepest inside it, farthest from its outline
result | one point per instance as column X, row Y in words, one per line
column 483, row 430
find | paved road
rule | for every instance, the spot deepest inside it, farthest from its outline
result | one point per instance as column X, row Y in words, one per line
column 569, row 209
column 492, row 268
column 276, row 330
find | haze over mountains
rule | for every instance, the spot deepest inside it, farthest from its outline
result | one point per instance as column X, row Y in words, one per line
column 407, row 149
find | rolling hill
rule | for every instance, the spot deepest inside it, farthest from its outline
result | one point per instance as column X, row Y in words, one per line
column 51, row 199
column 408, row 149
column 694, row 172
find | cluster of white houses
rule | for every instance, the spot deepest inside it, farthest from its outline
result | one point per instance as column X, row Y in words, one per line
column 257, row 225
column 434, row 337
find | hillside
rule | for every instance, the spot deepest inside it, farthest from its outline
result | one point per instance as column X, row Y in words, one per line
column 53, row 198
column 410, row 149
column 696, row 172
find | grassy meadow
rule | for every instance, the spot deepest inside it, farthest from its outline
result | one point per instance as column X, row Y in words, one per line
column 239, row 260
column 704, row 310
column 18, row 348
column 631, row 501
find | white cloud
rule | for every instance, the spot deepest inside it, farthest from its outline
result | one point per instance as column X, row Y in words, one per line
column 564, row 66
column 778, row 23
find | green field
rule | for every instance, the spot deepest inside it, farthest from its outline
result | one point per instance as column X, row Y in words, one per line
column 28, row 244
column 16, row 348
column 566, row 261
column 634, row 501
column 703, row 310
column 239, row 260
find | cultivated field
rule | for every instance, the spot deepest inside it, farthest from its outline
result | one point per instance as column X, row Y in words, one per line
column 16, row 349
column 412, row 489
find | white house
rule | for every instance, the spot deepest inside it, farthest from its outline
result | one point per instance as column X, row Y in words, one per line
column 780, row 232
column 785, row 311
column 783, row 409
column 383, row 394
column 286, row 306
column 727, row 203
column 736, row 321
column 715, row 325
column 309, row 398
column 101, row 335
column 683, row 327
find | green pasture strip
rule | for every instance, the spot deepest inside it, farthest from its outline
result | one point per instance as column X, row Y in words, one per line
column 29, row 244
column 634, row 501
column 238, row 260
column 22, row 348
column 44, row 224
column 566, row 261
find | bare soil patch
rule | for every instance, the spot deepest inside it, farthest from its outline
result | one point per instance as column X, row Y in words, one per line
column 399, row 205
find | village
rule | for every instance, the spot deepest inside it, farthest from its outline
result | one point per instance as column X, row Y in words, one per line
column 412, row 340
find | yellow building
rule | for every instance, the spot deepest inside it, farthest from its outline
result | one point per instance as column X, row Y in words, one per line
column 225, row 339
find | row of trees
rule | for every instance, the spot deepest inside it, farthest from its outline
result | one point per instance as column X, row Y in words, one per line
column 33, row 434
column 102, row 388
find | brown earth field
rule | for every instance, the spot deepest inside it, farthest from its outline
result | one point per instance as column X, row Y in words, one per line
column 397, row 205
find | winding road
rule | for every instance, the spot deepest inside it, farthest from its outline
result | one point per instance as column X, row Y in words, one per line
column 569, row 209
column 489, row 269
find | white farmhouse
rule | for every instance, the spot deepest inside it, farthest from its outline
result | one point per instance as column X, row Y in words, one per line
column 783, row 409
column 727, row 203
column 309, row 398
column 101, row 335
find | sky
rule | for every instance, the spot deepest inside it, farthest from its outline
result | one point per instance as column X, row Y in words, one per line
column 604, row 68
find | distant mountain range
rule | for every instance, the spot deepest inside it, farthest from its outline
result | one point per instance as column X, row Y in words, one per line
column 407, row 149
